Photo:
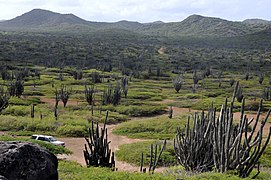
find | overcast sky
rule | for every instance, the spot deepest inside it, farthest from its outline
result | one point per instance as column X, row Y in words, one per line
column 142, row 10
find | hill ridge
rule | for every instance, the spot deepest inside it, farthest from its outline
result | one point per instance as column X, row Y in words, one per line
column 193, row 25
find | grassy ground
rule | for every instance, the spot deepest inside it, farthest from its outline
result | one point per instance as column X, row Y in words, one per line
column 160, row 127
column 149, row 97
column 71, row 171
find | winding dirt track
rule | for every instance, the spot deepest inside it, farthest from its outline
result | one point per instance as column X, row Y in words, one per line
column 76, row 145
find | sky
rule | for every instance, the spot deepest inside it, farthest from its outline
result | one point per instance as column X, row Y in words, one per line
column 142, row 10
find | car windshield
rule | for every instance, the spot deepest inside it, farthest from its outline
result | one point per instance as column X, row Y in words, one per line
column 52, row 139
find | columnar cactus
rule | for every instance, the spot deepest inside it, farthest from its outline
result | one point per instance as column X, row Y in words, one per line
column 220, row 144
column 89, row 94
column 97, row 151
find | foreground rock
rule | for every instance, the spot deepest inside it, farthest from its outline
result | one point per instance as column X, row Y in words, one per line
column 22, row 160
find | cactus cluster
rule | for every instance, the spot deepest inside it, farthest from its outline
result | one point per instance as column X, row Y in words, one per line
column 97, row 151
column 112, row 95
column 89, row 94
column 154, row 157
column 218, row 143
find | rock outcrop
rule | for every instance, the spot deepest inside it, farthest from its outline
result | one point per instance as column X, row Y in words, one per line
column 22, row 160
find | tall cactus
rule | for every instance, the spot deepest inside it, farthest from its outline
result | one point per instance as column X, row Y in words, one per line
column 230, row 145
column 154, row 157
column 193, row 146
column 89, row 94
column 97, row 151
column 234, row 149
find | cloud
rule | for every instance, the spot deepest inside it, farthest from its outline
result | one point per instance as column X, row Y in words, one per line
column 142, row 10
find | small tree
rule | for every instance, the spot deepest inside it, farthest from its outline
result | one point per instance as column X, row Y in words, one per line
column 232, row 81
column 177, row 83
column 65, row 94
column 4, row 99
column 238, row 94
column 16, row 88
column 124, row 85
column 261, row 78
column 96, row 78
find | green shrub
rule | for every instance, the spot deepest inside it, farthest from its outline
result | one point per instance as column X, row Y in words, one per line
column 72, row 130
column 140, row 110
column 151, row 128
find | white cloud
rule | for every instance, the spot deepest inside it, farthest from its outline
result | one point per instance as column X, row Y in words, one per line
column 142, row 10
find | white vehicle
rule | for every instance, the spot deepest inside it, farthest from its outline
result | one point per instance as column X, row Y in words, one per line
column 49, row 139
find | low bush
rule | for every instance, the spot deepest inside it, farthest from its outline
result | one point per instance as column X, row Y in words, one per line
column 137, row 111
column 72, row 130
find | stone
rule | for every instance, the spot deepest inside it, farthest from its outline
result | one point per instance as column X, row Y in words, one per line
column 24, row 160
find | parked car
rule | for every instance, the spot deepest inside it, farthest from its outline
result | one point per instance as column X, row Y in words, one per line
column 49, row 139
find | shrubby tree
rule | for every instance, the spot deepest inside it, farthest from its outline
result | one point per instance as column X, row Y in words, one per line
column 261, row 78
column 65, row 94
column 4, row 99
column 232, row 81
column 77, row 75
column 16, row 88
column 96, row 78
column 124, row 85
column 177, row 83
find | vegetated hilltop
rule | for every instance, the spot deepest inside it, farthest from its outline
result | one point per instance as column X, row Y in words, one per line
column 194, row 25
column 39, row 17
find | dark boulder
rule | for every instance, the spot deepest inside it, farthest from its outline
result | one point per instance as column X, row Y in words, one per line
column 3, row 178
column 22, row 160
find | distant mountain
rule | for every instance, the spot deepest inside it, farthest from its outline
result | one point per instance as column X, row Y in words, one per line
column 39, row 17
column 256, row 21
column 194, row 25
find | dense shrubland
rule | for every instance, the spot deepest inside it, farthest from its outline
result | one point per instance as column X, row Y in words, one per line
column 130, row 77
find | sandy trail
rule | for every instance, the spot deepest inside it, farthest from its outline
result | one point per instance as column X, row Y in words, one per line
column 76, row 145
column 51, row 102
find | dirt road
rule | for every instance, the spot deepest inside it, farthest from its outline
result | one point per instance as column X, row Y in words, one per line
column 76, row 145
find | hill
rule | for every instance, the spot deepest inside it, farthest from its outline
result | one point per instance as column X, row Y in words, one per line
column 197, row 25
column 194, row 25
column 39, row 17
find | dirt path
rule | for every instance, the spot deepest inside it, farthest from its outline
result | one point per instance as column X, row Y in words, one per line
column 52, row 102
column 76, row 145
